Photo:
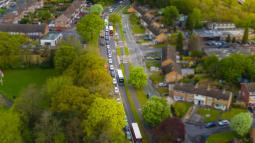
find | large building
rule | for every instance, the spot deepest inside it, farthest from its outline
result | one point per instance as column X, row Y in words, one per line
column 202, row 96
column 33, row 31
column 248, row 93
column 51, row 39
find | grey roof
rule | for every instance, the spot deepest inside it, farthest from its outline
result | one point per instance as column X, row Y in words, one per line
column 23, row 28
column 71, row 9
column 250, row 86
column 51, row 36
column 215, row 93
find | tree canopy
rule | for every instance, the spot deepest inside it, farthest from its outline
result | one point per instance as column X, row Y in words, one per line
column 156, row 110
column 97, row 9
column 137, row 77
column 170, row 15
column 115, row 19
column 241, row 123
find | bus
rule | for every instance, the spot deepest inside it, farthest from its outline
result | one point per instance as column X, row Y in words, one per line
column 137, row 137
column 111, row 30
column 120, row 77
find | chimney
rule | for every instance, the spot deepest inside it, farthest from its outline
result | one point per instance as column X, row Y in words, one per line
column 208, row 88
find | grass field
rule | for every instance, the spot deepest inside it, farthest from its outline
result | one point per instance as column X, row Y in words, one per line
column 141, row 96
column 224, row 137
column 181, row 108
column 209, row 114
column 17, row 80
column 135, row 25
column 231, row 113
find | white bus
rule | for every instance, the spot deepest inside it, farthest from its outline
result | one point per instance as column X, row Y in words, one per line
column 120, row 77
column 136, row 133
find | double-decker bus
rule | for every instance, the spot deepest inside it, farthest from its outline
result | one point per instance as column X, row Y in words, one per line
column 137, row 137
column 120, row 77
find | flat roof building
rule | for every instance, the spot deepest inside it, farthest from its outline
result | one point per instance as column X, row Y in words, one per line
column 51, row 39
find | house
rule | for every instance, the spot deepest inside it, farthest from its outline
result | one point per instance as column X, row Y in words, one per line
column 33, row 31
column 202, row 96
column 220, row 26
column 70, row 15
column 248, row 93
column 51, row 39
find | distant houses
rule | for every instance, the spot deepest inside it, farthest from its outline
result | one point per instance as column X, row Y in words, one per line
column 248, row 93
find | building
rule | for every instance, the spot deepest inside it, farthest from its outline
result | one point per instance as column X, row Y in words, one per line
column 220, row 26
column 202, row 96
column 248, row 93
column 51, row 39
column 72, row 13
column 33, row 31
column 4, row 3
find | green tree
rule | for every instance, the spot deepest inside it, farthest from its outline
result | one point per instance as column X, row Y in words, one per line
column 115, row 19
column 194, row 42
column 97, row 9
column 194, row 19
column 65, row 55
column 104, row 115
column 89, row 27
column 137, row 77
column 48, row 130
column 241, row 123
column 10, row 127
column 210, row 65
column 170, row 15
column 156, row 110
column 53, row 85
column 179, row 42
column 245, row 35
column 104, row 2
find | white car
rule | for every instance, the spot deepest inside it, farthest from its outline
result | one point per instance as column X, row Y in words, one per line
column 116, row 90
column 224, row 123
column 110, row 61
column 108, row 46
column 114, row 81
column 118, row 100
column 110, row 55
column 111, row 67
column 110, row 10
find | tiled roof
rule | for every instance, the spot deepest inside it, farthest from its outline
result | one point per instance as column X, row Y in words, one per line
column 22, row 28
column 250, row 86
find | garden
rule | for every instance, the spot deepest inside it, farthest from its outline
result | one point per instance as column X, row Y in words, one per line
column 137, row 28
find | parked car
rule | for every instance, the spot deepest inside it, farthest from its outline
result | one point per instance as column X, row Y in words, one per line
column 223, row 123
column 113, row 73
column 250, row 109
column 211, row 124
column 110, row 61
column 106, row 37
column 127, row 132
column 114, row 81
column 118, row 100
column 162, row 84
column 116, row 90
column 111, row 67
column 107, row 46
column 110, row 10
column 110, row 55
column 107, row 42
column 109, row 51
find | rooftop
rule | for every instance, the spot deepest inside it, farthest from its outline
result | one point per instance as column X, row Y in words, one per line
column 52, row 36
column 23, row 28
column 250, row 86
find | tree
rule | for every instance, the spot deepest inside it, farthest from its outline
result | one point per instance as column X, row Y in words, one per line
column 210, row 64
column 89, row 27
column 104, row 115
column 194, row 42
column 155, row 111
column 48, row 130
column 53, row 85
column 65, row 54
column 228, row 39
column 97, row 9
column 170, row 15
column 171, row 130
column 194, row 19
column 179, row 42
column 245, row 35
column 241, row 123
column 137, row 77
column 10, row 127
column 115, row 19
column 74, row 132
column 104, row 2
column 72, row 99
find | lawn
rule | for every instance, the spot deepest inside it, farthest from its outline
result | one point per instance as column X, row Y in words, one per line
column 126, row 51
column 17, row 80
column 141, row 96
column 209, row 114
column 224, row 137
column 156, row 77
column 181, row 108
column 135, row 24
column 118, row 51
column 152, row 63
column 231, row 113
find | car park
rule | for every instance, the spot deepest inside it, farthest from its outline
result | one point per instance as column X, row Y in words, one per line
column 116, row 90
column 111, row 67
column 223, row 123
column 211, row 125
column 114, row 81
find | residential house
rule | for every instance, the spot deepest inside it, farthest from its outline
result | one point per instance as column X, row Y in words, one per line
column 202, row 96
column 220, row 26
column 72, row 13
column 33, row 31
column 51, row 39
column 248, row 93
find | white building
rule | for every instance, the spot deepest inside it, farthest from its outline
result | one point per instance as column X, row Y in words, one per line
column 51, row 39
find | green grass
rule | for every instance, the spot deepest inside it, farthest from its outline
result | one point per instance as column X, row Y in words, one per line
column 141, row 96
column 118, row 50
column 156, row 77
column 163, row 90
column 181, row 108
column 17, row 80
column 154, row 63
column 126, row 50
column 213, row 114
column 2, row 10
column 224, row 137
column 122, row 35
column 136, row 27
column 231, row 113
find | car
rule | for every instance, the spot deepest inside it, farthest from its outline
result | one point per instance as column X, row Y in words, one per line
column 109, row 51
column 162, row 84
column 211, row 124
column 250, row 109
column 223, row 123
column 111, row 67
column 118, row 100
column 110, row 55
column 116, row 90
column 110, row 10
column 114, row 81
column 127, row 132
column 121, row 2
column 107, row 42
column 112, row 73
column 107, row 46
column 110, row 61
column 106, row 37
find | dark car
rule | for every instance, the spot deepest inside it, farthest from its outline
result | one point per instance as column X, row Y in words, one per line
column 107, row 42
column 106, row 37
column 112, row 73
column 211, row 124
